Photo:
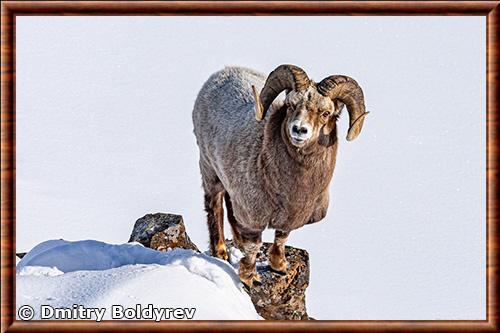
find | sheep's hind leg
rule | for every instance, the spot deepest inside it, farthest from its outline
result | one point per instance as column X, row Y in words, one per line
column 276, row 253
column 248, row 269
column 232, row 222
column 215, row 219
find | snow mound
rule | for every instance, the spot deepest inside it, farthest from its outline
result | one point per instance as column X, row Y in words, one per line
column 39, row 271
column 94, row 274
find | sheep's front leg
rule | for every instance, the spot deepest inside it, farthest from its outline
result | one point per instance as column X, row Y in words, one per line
column 277, row 258
column 248, row 270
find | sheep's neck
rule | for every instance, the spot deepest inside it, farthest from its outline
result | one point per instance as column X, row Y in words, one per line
column 281, row 162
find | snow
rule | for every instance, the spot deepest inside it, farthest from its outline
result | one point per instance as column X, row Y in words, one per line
column 40, row 271
column 94, row 274
column 104, row 136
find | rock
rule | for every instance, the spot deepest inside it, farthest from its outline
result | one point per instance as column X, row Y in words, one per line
column 281, row 297
column 161, row 232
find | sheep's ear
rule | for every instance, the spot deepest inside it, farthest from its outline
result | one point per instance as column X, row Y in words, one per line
column 329, row 133
column 329, row 126
column 259, row 109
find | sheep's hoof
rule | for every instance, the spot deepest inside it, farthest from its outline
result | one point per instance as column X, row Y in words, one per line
column 257, row 283
column 282, row 273
column 256, row 280
column 277, row 261
column 250, row 282
column 223, row 255
column 247, row 283
column 221, row 251
column 249, row 276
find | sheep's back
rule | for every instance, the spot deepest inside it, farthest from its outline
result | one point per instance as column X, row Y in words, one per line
column 224, row 119
column 225, row 102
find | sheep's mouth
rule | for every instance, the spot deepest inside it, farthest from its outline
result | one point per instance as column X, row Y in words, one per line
column 298, row 142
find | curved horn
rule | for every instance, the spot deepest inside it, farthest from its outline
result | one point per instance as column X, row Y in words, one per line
column 348, row 92
column 287, row 77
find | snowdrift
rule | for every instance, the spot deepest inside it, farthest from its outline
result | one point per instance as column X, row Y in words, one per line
column 94, row 274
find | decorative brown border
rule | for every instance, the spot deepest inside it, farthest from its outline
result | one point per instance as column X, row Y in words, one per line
column 11, row 9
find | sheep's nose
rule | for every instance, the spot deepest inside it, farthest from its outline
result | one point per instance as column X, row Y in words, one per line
column 300, row 130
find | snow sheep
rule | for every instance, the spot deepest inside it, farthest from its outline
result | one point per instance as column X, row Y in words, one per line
column 273, row 173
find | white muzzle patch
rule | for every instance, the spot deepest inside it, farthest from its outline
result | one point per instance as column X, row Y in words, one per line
column 300, row 132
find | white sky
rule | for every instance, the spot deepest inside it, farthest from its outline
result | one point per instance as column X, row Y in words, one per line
column 104, row 136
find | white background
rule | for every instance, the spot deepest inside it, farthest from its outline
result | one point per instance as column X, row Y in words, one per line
column 104, row 136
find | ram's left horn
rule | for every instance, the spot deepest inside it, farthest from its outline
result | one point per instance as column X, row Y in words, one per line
column 259, row 109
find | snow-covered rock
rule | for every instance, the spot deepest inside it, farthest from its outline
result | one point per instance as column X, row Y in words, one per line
column 279, row 297
column 162, row 231
column 94, row 274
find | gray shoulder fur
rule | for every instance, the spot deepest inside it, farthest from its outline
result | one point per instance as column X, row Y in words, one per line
column 232, row 158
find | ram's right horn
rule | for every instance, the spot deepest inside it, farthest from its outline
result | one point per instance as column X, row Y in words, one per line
column 284, row 77
column 346, row 90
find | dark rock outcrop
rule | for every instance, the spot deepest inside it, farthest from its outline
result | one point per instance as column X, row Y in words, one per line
column 20, row 255
column 280, row 297
column 161, row 232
